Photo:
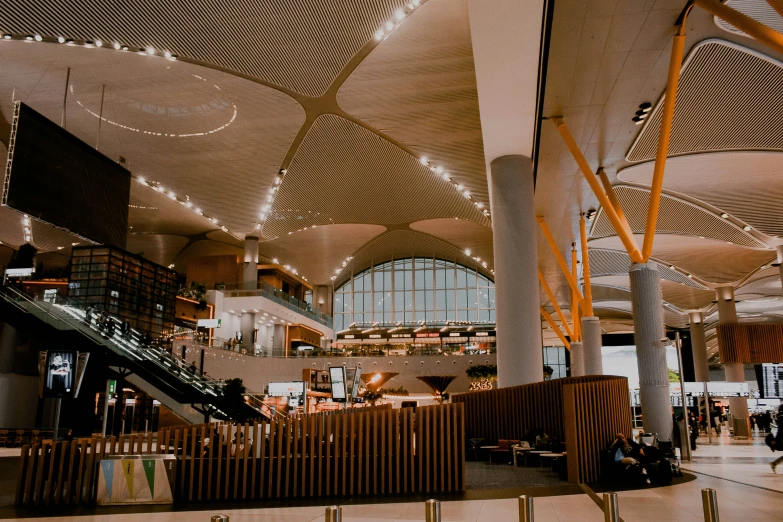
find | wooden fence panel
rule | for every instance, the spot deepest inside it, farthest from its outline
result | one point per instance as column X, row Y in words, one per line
column 366, row 451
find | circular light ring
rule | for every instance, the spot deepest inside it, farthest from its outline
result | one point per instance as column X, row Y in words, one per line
column 155, row 133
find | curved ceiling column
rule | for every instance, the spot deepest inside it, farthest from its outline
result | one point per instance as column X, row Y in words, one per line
column 506, row 39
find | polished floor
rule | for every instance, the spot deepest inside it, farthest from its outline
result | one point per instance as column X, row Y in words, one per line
column 739, row 471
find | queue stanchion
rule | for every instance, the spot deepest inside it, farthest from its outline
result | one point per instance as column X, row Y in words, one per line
column 611, row 509
column 219, row 518
column 525, row 508
column 334, row 514
column 432, row 511
column 709, row 500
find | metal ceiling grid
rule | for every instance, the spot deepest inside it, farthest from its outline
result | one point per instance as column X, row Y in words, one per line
column 400, row 244
column 467, row 235
column 608, row 293
column 744, row 184
column 614, row 262
column 419, row 87
column 301, row 45
column 729, row 98
column 686, row 297
column 343, row 173
column 333, row 243
column 158, row 248
column 676, row 217
column 758, row 10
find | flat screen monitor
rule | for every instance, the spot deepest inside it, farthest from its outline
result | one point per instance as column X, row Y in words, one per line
column 337, row 376
column 59, row 374
column 55, row 177
column 770, row 380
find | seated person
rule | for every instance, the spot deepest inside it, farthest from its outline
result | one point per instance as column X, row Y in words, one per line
column 629, row 456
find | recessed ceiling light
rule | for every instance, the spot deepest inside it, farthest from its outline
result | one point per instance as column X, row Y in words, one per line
column 479, row 204
column 167, row 54
column 747, row 228
column 400, row 14
column 28, row 38
column 389, row 26
column 150, row 50
column 38, row 38
column 6, row 36
column 379, row 34
column 467, row 251
column 724, row 215
column 98, row 43
column 117, row 46
column 646, row 106
column 60, row 39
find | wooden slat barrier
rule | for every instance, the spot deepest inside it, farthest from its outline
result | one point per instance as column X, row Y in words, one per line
column 593, row 413
column 580, row 411
column 368, row 451
column 750, row 343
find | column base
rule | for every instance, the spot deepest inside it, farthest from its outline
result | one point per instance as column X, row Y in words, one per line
column 741, row 428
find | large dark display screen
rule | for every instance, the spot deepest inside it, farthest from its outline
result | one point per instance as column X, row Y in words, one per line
column 60, row 374
column 59, row 179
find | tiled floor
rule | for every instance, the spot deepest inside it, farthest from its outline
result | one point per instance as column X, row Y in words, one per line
column 747, row 490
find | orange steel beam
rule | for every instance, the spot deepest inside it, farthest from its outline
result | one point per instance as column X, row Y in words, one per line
column 587, row 306
column 777, row 5
column 555, row 328
column 575, row 300
column 620, row 226
column 610, row 193
column 745, row 23
column 552, row 300
column 560, row 260
column 664, row 137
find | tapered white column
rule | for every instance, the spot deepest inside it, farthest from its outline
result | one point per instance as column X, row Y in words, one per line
column 735, row 371
column 591, row 340
column 647, row 302
column 519, row 356
column 780, row 261
column 250, row 264
column 577, row 359
column 701, row 369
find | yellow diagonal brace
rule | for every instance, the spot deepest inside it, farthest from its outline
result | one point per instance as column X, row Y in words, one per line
column 744, row 23
column 555, row 328
column 587, row 305
column 664, row 137
column 560, row 260
column 777, row 5
column 552, row 300
column 620, row 226
column 575, row 301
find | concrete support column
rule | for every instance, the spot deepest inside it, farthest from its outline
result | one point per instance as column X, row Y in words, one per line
column 646, row 300
column 250, row 264
column 519, row 356
column 735, row 372
column 247, row 323
column 699, row 347
column 577, row 359
column 591, row 339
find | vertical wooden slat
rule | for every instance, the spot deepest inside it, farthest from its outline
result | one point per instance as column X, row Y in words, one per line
column 227, row 462
column 24, row 475
column 183, row 460
column 219, row 462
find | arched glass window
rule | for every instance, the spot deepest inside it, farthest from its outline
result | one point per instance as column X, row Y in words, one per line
column 414, row 289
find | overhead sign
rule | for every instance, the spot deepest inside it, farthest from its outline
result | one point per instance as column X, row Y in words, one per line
column 286, row 389
column 417, row 335
column 209, row 323
column 19, row 272
column 717, row 389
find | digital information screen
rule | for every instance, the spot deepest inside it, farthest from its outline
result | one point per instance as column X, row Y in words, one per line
column 55, row 177
column 770, row 380
column 337, row 376
column 60, row 374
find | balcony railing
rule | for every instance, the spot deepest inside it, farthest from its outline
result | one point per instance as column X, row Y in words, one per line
column 278, row 296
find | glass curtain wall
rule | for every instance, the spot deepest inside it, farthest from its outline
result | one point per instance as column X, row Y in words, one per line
column 414, row 290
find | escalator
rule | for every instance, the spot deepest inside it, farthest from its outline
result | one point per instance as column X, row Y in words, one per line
column 152, row 370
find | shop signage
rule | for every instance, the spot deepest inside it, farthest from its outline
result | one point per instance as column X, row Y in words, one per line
column 209, row 323
column 436, row 334
column 420, row 335
column 375, row 336
column 481, row 385
column 483, row 334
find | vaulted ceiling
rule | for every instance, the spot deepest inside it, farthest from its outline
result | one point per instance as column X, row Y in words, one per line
column 346, row 133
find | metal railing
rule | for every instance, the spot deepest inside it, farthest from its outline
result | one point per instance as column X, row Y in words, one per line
column 106, row 331
column 278, row 296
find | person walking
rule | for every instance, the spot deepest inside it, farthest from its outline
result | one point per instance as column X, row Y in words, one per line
column 776, row 443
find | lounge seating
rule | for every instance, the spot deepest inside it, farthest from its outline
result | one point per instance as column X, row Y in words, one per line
column 503, row 451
